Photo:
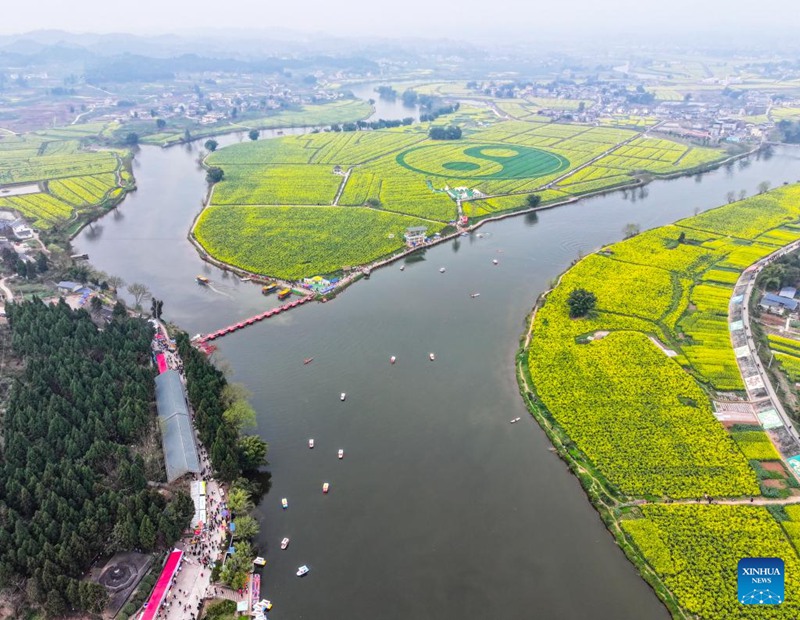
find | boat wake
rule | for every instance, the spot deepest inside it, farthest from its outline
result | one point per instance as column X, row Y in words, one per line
column 219, row 292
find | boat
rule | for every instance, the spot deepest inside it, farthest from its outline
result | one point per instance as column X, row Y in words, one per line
column 392, row 359
column 441, row 269
column 284, row 293
column 268, row 288
column 267, row 604
column 285, row 503
column 402, row 267
column 310, row 443
column 303, row 570
column 342, row 396
column 494, row 261
column 515, row 420
column 432, row 356
column 325, row 487
column 245, row 279
column 202, row 280
column 341, row 453
column 285, row 543
column 474, row 295
column 308, row 360
column 259, row 561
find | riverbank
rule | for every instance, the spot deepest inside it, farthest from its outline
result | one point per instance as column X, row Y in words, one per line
column 579, row 429
column 475, row 225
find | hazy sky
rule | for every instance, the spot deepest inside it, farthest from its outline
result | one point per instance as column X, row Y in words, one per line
column 406, row 17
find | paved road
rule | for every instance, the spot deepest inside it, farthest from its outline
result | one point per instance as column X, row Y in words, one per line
column 749, row 276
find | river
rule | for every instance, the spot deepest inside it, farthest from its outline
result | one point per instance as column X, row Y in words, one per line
column 440, row 508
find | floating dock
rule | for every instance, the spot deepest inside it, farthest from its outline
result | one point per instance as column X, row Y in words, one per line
column 253, row 319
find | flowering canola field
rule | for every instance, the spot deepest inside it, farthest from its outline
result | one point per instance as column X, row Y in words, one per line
column 644, row 420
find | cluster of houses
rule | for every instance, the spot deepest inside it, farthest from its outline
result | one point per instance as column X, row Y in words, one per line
column 781, row 303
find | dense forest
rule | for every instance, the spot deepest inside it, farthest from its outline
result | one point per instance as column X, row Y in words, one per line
column 220, row 415
column 72, row 480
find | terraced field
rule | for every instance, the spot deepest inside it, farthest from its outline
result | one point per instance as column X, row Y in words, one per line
column 642, row 420
column 72, row 180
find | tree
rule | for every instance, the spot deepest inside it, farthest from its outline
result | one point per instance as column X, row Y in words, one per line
column 252, row 452
column 156, row 307
column 147, row 534
column 631, row 230
column 187, row 135
column 743, row 194
column 239, row 501
column 731, row 197
column 140, row 292
column 211, row 145
column 119, row 310
column 373, row 202
column 682, row 237
column 533, row 200
column 96, row 303
column 239, row 415
column 55, row 605
column 215, row 174
column 132, row 139
column 253, row 134
column 161, row 123
column 581, row 302
column 115, row 282
column 41, row 262
column 246, row 527
column 237, row 567
column 763, row 187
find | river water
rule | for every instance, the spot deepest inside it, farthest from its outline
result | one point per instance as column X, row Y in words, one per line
column 440, row 509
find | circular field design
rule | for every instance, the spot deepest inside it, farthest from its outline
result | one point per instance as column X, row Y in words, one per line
column 481, row 161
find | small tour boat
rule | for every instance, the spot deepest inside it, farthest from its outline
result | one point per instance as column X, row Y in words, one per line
column 515, row 420
column 285, row 543
column 245, row 279
column 202, row 280
column 325, row 487
column 402, row 267
column 341, row 453
column 303, row 570
column 308, row 360
column 392, row 359
column 259, row 561
column 268, row 288
column 494, row 261
column 267, row 605
column 342, row 396
column 432, row 356
column 285, row 503
column 284, row 293
column 310, row 443
column 441, row 269
column 474, row 295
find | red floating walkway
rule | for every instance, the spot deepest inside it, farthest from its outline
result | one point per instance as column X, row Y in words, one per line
column 252, row 320
column 162, row 585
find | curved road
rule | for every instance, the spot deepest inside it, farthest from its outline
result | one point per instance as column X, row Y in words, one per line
column 748, row 278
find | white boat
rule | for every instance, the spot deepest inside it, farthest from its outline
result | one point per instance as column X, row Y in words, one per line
column 343, row 396
column 441, row 269
column 285, row 503
column 303, row 570
column 402, row 267
column 392, row 359
column 259, row 561
column 494, row 261
column 341, row 453
column 431, row 356
column 285, row 543
column 325, row 487
column 474, row 295
column 310, row 443
column 515, row 420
